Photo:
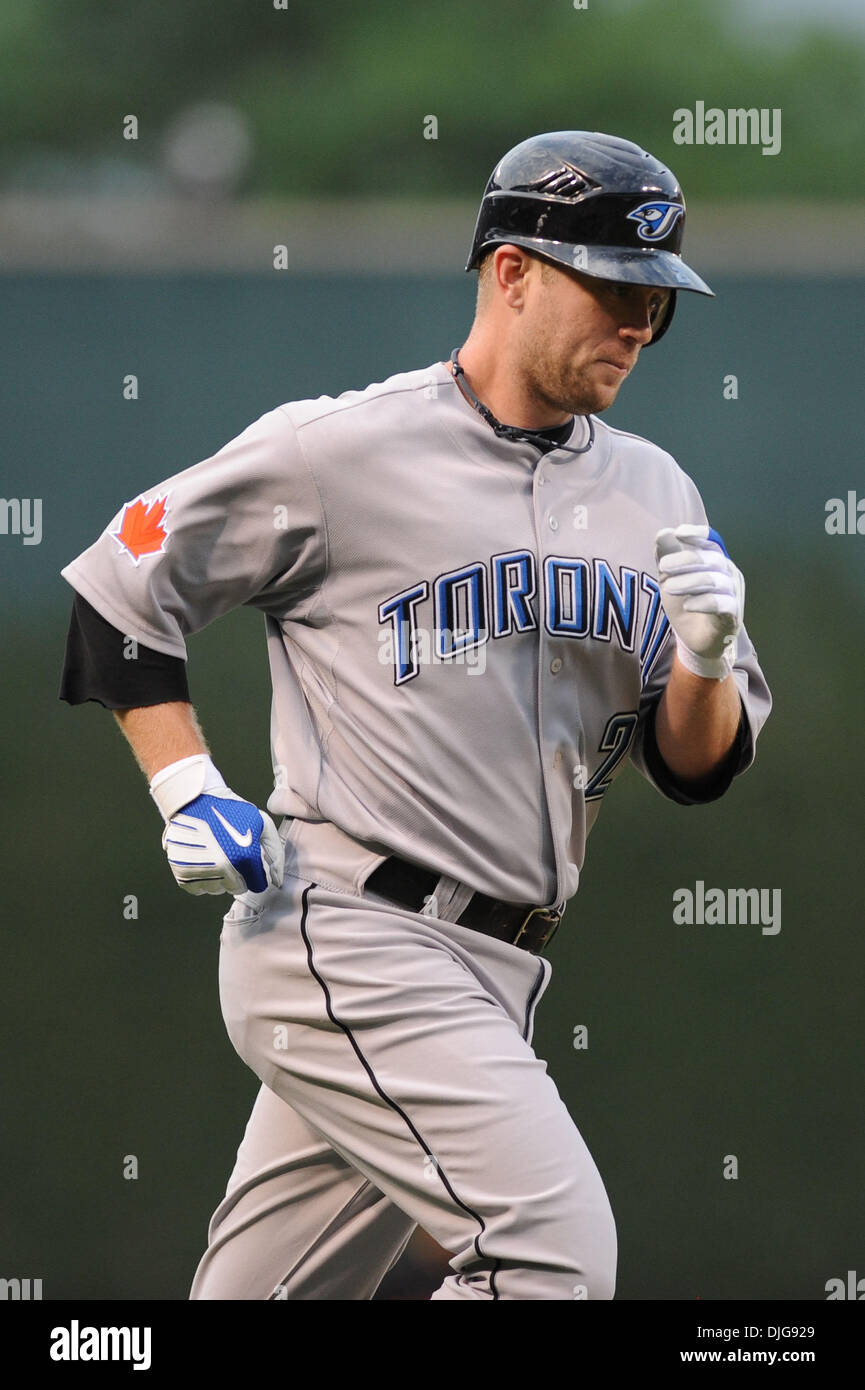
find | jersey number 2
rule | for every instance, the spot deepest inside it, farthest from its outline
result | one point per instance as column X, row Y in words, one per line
column 615, row 743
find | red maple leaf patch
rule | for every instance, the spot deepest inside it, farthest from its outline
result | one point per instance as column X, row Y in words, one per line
column 142, row 530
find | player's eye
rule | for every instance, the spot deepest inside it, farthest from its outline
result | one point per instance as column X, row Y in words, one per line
column 656, row 304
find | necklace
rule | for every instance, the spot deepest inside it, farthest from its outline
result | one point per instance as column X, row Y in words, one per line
column 509, row 431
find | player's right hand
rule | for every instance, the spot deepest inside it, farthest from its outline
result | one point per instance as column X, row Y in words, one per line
column 221, row 844
column 215, row 841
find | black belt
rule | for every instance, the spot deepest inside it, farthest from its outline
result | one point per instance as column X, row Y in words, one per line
column 407, row 885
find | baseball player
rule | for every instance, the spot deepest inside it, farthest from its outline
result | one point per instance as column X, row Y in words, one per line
column 481, row 602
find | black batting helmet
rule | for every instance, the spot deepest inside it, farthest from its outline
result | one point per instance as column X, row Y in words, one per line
column 595, row 203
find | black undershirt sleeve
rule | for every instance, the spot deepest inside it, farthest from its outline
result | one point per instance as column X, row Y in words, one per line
column 696, row 792
column 103, row 665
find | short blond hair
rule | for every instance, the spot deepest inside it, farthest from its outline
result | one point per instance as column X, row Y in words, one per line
column 485, row 279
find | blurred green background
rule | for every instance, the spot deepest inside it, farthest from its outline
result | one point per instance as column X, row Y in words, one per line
column 703, row 1041
column 331, row 95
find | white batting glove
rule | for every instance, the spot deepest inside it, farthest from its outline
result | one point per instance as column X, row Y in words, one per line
column 215, row 841
column 703, row 594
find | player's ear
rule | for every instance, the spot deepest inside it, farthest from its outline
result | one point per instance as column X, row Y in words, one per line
column 511, row 269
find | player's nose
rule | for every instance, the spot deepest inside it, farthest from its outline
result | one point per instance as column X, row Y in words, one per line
column 636, row 325
column 636, row 314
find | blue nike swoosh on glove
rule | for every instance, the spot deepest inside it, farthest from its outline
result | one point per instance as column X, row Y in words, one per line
column 224, row 816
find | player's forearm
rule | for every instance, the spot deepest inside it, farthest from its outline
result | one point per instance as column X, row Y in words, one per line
column 161, row 734
column 696, row 722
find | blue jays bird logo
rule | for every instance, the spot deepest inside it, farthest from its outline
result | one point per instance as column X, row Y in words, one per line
column 656, row 219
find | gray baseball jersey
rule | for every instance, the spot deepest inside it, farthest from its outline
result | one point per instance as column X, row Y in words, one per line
column 465, row 637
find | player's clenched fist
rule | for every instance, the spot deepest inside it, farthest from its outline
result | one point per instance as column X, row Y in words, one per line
column 703, row 594
column 215, row 841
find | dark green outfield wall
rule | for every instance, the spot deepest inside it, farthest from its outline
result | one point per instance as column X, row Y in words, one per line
column 702, row 1041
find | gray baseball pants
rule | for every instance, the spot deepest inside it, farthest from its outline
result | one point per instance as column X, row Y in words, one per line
column 399, row 1088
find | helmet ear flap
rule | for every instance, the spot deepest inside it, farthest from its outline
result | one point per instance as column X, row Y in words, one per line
column 666, row 320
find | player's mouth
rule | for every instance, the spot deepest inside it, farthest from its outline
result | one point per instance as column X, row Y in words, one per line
column 622, row 367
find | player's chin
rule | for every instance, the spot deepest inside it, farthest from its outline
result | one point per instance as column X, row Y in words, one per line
column 604, row 387
column 592, row 389
column 594, row 398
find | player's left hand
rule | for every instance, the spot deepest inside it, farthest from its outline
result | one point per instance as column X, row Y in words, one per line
column 703, row 594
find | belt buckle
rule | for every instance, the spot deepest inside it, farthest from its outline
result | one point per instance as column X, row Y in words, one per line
column 551, row 915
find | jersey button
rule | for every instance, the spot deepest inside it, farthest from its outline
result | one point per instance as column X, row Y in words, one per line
column 554, row 525
column 556, row 665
